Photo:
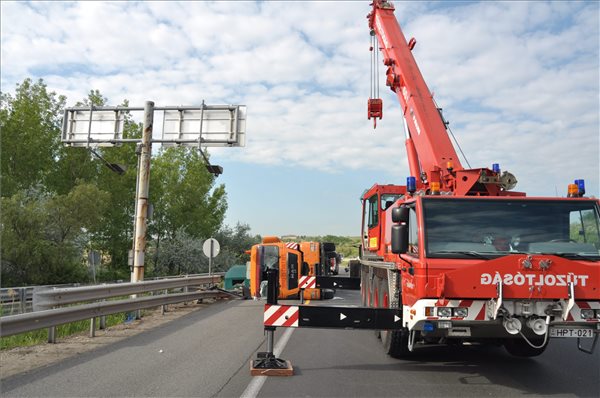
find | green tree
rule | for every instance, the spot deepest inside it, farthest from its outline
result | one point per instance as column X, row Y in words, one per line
column 184, row 197
column 234, row 242
column 180, row 254
column 30, row 139
column 74, row 164
column 183, row 253
column 47, row 188
column 44, row 235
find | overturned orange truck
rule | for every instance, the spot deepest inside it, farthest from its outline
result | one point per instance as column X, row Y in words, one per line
column 296, row 262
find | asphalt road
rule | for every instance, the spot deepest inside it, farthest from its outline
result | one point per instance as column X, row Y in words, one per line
column 207, row 353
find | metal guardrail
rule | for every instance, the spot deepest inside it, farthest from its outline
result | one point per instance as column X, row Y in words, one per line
column 44, row 298
column 15, row 324
column 17, row 299
column 47, row 297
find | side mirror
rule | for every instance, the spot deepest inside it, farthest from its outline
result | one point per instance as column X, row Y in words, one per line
column 399, row 238
column 400, row 214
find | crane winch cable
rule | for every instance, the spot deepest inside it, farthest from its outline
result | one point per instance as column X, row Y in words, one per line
column 451, row 133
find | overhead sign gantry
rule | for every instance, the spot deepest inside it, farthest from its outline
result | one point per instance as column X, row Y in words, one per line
column 191, row 126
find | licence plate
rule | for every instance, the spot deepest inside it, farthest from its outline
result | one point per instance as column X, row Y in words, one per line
column 460, row 332
column 571, row 332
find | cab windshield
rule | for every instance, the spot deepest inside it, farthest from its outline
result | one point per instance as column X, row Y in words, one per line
column 268, row 257
column 488, row 228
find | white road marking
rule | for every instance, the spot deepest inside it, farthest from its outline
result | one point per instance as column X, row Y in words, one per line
column 257, row 382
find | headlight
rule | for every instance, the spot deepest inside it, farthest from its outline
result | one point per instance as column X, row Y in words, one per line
column 461, row 312
column 587, row 314
column 445, row 312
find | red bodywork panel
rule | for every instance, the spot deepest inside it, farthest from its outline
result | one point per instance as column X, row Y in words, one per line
column 476, row 279
column 385, row 221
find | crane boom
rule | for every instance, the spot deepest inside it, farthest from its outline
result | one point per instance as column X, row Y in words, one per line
column 428, row 145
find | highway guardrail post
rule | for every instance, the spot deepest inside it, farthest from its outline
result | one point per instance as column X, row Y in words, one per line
column 22, row 300
column 52, row 334
column 93, row 327
column 102, row 325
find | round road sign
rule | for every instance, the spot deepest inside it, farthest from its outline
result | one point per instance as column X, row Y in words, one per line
column 215, row 247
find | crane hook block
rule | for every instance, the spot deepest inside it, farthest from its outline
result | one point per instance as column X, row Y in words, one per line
column 375, row 110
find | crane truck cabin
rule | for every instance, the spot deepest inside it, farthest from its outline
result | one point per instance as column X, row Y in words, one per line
column 462, row 256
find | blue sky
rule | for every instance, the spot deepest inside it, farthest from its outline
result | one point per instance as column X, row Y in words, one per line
column 518, row 81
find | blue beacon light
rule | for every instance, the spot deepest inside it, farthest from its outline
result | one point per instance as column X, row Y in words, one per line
column 496, row 168
column 581, row 186
column 411, row 184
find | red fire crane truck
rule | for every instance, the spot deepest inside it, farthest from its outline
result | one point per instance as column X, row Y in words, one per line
column 460, row 255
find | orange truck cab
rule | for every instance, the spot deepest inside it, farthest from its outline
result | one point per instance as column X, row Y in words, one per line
column 321, row 258
column 289, row 259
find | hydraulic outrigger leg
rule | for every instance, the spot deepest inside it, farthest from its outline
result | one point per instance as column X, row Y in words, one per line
column 266, row 364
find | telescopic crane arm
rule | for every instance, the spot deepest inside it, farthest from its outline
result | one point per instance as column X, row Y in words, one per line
column 431, row 156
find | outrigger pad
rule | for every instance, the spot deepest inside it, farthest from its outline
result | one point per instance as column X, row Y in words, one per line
column 268, row 365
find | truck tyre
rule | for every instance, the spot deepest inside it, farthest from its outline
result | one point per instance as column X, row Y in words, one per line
column 520, row 348
column 364, row 288
column 395, row 343
column 354, row 268
column 328, row 246
column 377, row 296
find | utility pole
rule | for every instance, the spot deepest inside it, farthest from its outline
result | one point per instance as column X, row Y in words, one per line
column 142, row 195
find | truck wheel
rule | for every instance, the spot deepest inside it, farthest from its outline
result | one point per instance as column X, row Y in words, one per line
column 328, row 246
column 364, row 288
column 520, row 348
column 395, row 343
column 377, row 295
column 354, row 266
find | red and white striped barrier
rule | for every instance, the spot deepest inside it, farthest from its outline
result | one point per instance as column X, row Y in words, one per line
column 292, row 245
column 307, row 282
column 281, row 315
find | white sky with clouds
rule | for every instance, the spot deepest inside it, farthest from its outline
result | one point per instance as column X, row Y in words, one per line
column 518, row 81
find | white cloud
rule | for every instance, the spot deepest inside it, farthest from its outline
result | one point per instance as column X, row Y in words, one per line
column 518, row 80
